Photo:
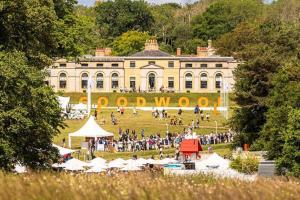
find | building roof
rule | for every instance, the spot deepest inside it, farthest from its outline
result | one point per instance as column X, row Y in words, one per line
column 206, row 59
column 102, row 59
column 151, row 53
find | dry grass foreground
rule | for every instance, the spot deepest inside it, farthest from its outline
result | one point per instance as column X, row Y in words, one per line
column 144, row 185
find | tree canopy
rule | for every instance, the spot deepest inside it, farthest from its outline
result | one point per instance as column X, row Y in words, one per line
column 129, row 43
column 29, row 115
column 119, row 16
column 267, row 83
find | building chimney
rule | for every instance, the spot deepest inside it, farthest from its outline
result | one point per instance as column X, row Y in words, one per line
column 210, row 49
column 202, row 52
column 209, row 42
column 107, row 51
column 178, row 52
column 99, row 52
column 103, row 52
column 151, row 45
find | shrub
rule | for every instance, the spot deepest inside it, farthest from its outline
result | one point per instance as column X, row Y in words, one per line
column 248, row 165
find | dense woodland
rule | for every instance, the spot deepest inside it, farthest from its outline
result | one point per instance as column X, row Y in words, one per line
column 264, row 37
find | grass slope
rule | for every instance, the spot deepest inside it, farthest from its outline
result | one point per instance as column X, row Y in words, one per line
column 143, row 120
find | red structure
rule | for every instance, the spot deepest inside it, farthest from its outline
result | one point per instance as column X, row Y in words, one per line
column 190, row 148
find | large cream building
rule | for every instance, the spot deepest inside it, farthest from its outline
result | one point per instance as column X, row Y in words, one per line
column 150, row 70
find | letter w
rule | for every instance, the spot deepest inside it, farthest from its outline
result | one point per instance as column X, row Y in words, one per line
column 162, row 101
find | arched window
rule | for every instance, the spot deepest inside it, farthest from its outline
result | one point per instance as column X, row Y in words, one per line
column 151, row 81
column 84, row 80
column 218, row 80
column 114, row 80
column 62, row 80
column 188, row 81
column 99, row 81
column 203, row 81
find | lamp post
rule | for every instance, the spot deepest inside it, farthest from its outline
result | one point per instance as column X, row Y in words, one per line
column 167, row 128
column 216, row 127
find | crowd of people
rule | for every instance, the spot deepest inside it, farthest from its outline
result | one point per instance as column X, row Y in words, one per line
column 129, row 141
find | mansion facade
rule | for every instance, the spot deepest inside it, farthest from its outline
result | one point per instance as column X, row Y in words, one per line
column 150, row 70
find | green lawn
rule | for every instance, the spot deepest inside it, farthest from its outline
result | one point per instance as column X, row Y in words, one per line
column 150, row 97
column 143, row 120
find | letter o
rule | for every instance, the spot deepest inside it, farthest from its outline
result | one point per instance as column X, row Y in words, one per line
column 200, row 100
column 122, row 99
column 185, row 100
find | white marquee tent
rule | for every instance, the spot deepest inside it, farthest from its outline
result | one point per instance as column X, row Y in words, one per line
column 95, row 169
column 90, row 129
column 80, row 106
column 63, row 102
column 63, row 151
column 131, row 167
column 213, row 162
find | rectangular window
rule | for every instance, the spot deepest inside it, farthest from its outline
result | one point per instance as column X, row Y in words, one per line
column 203, row 65
column 99, row 81
column 132, row 82
column 188, row 65
column 132, row 63
column 62, row 65
column 84, row 84
column 219, row 65
column 171, row 64
column 188, row 84
column 115, row 65
column 171, row 82
column 62, row 84
column 84, row 65
column 151, row 62
column 203, row 84
column 100, row 84
column 99, row 64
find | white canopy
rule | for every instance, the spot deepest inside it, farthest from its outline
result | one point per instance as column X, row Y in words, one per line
column 90, row 129
column 63, row 151
column 212, row 162
column 95, row 169
column 97, row 161
column 151, row 161
column 63, row 102
column 117, row 163
column 74, row 163
column 80, row 106
column 142, row 161
column 134, row 162
column 131, row 167
column 74, row 168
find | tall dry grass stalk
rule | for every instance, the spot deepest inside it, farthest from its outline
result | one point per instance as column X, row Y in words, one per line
column 49, row 185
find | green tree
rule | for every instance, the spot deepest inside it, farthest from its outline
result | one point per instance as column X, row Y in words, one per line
column 129, row 43
column 76, row 35
column 29, row 115
column 290, row 159
column 164, row 22
column 119, row 16
column 28, row 26
column 223, row 16
column 283, row 99
column 264, row 46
